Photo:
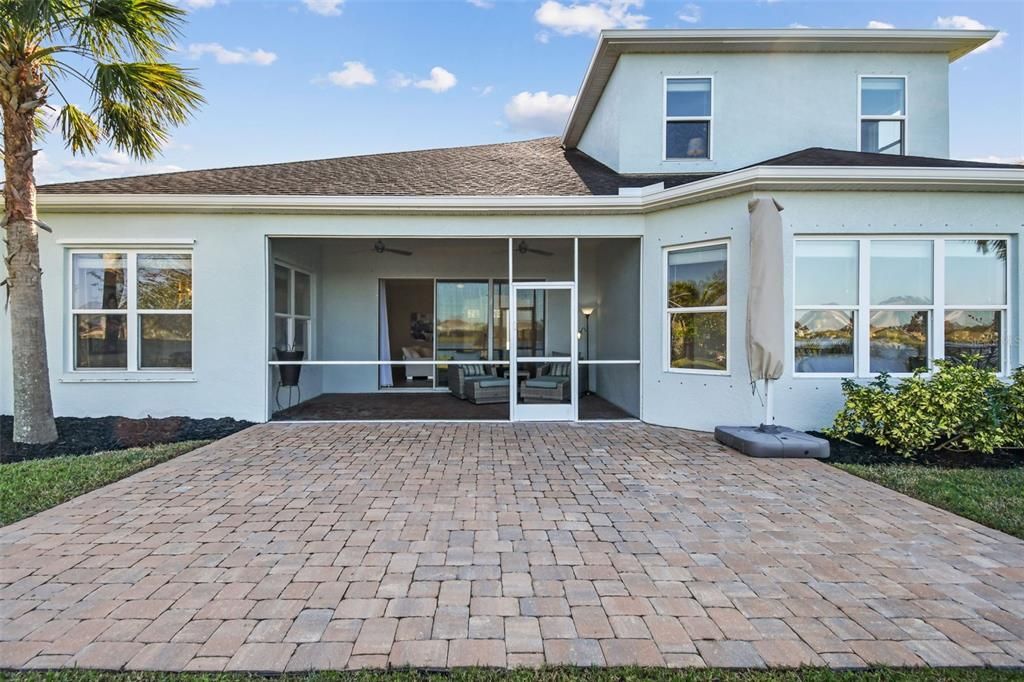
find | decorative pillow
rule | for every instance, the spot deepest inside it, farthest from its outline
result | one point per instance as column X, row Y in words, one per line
column 561, row 369
column 472, row 370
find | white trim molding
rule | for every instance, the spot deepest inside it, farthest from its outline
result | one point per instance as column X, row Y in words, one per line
column 754, row 179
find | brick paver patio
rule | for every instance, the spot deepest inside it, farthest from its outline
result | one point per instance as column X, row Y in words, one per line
column 290, row 547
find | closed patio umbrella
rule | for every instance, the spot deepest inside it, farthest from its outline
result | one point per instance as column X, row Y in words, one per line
column 766, row 342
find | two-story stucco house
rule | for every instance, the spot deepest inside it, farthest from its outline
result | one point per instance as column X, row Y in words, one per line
column 599, row 275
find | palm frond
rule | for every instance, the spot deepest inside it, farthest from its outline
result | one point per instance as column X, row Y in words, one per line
column 81, row 132
column 131, row 130
column 129, row 29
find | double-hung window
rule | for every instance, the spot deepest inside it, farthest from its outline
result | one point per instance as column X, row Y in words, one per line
column 869, row 305
column 131, row 310
column 293, row 308
column 883, row 114
column 696, row 305
column 688, row 118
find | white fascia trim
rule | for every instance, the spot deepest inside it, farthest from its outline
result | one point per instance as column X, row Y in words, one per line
column 758, row 178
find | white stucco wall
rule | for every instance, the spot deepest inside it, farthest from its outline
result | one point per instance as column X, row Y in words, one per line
column 231, row 295
column 703, row 401
column 228, row 313
column 230, row 375
column 764, row 105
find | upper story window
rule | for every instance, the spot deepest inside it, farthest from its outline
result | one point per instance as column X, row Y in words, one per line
column 131, row 310
column 696, row 307
column 883, row 114
column 871, row 305
column 687, row 118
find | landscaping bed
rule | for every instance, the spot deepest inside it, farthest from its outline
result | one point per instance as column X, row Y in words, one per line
column 86, row 435
column 863, row 451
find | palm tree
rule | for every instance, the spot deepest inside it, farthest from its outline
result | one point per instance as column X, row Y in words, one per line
column 116, row 49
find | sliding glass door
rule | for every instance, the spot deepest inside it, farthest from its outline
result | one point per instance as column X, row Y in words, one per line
column 462, row 312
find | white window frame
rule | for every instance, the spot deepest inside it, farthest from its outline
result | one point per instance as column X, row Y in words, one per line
column 132, row 312
column 666, row 119
column 905, row 117
column 666, row 336
column 936, row 309
column 290, row 316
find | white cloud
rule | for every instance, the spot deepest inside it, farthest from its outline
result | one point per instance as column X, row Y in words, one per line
column 795, row 25
column 400, row 80
column 690, row 13
column 590, row 18
column 482, row 4
column 353, row 75
column 239, row 55
column 1018, row 160
column 543, row 37
column 874, row 23
column 109, row 165
column 539, row 111
column 963, row 23
column 197, row 4
column 327, row 8
column 483, row 91
column 441, row 79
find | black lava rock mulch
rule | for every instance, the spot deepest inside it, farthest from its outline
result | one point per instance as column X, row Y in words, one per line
column 86, row 435
column 843, row 452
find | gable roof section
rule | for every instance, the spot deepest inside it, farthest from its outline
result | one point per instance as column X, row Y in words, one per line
column 529, row 168
column 823, row 156
column 612, row 44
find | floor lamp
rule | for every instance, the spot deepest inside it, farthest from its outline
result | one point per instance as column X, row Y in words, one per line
column 587, row 312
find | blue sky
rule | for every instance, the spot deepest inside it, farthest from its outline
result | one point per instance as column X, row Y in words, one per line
column 299, row 79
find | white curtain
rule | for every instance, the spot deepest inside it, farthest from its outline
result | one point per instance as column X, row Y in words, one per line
column 385, row 338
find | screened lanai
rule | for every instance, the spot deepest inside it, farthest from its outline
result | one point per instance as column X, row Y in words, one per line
column 395, row 328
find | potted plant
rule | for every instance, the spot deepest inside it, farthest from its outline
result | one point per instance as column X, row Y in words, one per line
column 289, row 374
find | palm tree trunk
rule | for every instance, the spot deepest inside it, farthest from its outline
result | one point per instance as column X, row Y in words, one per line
column 33, row 406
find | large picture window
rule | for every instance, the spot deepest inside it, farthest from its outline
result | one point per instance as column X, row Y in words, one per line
column 131, row 310
column 293, row 308
column 696, row 307
column 869, row 305
column 883, row 114
column 688, row 118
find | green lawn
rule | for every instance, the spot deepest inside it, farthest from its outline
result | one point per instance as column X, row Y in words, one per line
column 27, row 488
column 554, row 675
column 993, row 497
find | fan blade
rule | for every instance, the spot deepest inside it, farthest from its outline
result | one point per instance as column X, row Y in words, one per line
column 400, row 252
column 540, row 253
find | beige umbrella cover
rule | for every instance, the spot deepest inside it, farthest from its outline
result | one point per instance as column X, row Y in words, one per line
column 766, row 334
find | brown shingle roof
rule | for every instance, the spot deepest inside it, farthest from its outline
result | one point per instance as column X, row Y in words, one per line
column 823, row 156
column 538, row 167
column 532, row 167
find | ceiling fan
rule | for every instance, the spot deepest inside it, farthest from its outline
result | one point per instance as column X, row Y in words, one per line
column 524, row 249
column 379, row 247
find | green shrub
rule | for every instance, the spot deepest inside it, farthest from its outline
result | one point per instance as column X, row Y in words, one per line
column 1013, row 410
column 960, row 406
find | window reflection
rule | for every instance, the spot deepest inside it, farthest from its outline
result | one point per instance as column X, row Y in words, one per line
column 824, row 341
column 698, row 341
column 974, row 332
column 98, row 281
column 826, row 272
column 898, row 340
